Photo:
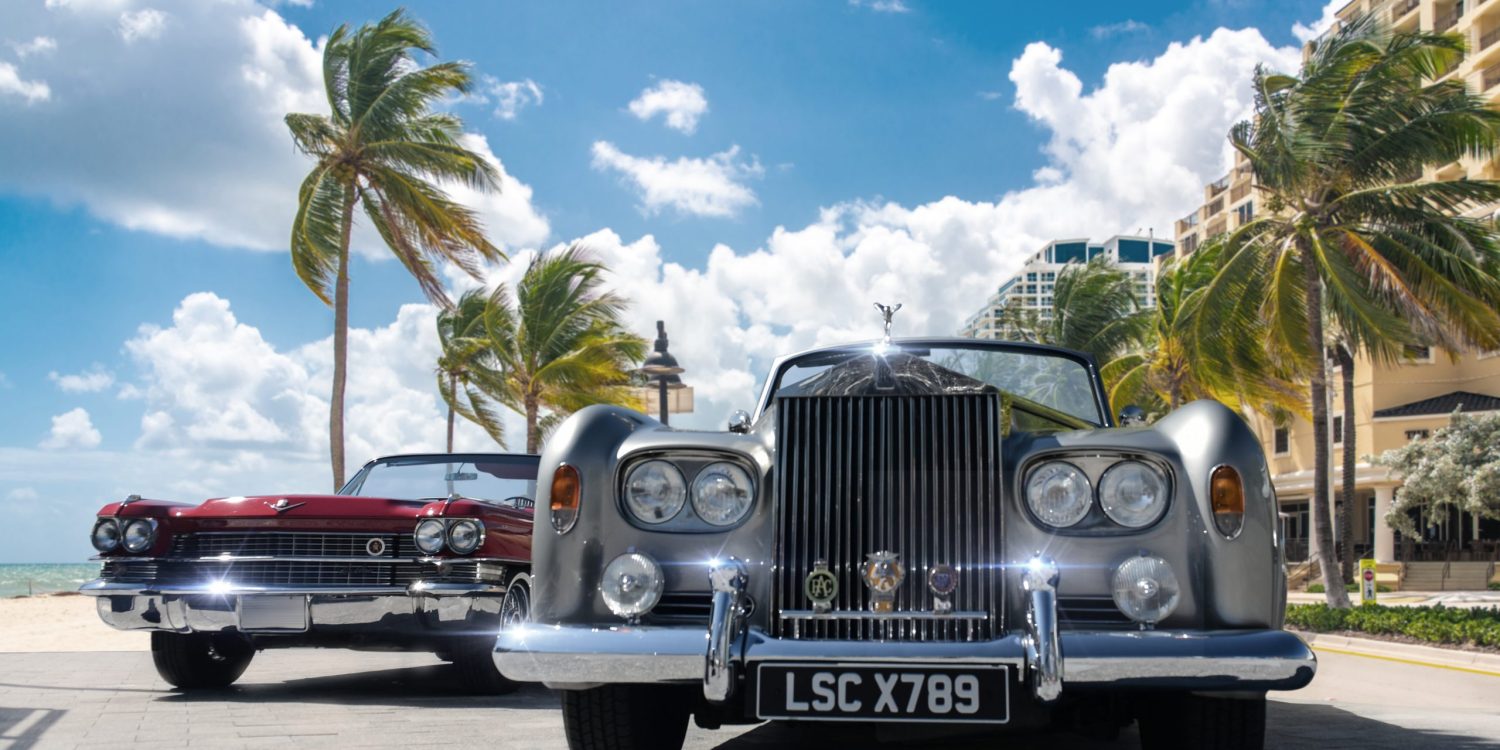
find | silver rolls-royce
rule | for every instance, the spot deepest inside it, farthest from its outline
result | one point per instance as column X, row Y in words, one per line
column 940, row 531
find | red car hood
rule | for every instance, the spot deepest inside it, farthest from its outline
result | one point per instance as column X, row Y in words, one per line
column 304, row 507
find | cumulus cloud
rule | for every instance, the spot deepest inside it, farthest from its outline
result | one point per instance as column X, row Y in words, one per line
column 72, row 429
column 882, row 6
column 511, row 96
column 145, row 23
column 1330, row 15
column 92, row 380
column 681, row 104
column 1128, row 26
column 700, row 187
column 38, row 45
column 245, row 66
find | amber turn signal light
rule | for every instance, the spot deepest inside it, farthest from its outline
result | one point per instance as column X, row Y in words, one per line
column 1226, row 494
column 566, row 491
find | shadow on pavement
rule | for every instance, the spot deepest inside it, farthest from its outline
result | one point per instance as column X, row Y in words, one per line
column 1290, row 726
column 21, row 728
column 431, row 685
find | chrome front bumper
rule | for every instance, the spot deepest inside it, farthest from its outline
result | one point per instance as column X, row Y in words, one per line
column 578, row 656
column 423, row 607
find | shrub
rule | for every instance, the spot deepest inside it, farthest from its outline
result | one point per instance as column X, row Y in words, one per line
column 1353, row 588
column 1437, row 624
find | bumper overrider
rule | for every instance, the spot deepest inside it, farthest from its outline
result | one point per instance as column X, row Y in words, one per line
column 581, row 656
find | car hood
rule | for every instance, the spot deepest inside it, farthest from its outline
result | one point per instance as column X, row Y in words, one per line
column 305, row 506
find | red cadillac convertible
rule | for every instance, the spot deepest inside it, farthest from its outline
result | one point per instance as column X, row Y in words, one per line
column 416, row 553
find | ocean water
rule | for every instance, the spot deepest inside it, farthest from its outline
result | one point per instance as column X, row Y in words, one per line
column 44, row 578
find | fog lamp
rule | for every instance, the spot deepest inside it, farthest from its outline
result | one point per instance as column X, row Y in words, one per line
column 631, row 585
column 1146, row 589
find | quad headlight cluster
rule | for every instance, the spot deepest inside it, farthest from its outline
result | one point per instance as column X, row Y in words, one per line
column 1131, row 493
column 134, row 535
column 656, row 492
column 460, row 535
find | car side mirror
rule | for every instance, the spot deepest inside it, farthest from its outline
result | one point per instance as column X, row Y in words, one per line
column 1132, row 415
column 739, row 421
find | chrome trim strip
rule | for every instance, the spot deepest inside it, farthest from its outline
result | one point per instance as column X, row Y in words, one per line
column 1043, row 643
column 438, row 588
column 101, row 587
column 724, row 623
column 807, row 614
column 583, row 654
column 368, row 559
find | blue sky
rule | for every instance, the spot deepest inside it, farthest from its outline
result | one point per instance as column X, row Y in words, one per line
column 785, row 164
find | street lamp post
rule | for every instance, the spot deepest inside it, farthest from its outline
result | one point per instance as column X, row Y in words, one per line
column 662, row 369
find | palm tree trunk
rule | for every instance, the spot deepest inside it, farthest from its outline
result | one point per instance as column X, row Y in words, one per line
column 1346, row 510
column 453, row 389
column 532, row 436
column 340, row 352
column 1333, row 583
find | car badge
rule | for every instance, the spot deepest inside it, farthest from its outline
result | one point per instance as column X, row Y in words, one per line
column 942, row 580
column 886, row 313
column 375, row 547
column 883, row 574
column 821, row 586
column 283, row 505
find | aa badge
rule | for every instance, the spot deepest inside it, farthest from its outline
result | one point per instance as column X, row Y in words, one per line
column 821, row 587
column 942, row 580
column 883, row 574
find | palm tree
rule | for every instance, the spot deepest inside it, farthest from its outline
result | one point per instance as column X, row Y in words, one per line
column 1094, row 310
column 559, row 342
column 1348, row 238
column 383, row 148
column 1167, row 369
column 467, row 367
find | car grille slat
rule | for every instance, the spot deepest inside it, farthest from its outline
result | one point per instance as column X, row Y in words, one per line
column 916, row 475
column 291, row 544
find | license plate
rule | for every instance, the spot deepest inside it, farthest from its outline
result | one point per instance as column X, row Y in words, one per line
column 884, row 692
column 271, row 614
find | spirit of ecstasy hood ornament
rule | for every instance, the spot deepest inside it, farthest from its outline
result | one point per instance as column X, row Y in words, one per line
column 887, row 311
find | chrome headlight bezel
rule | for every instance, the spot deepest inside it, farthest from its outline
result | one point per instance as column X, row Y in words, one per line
column 113, row 539
column 739, row 480
column 671, row 499
column 470, row 526
column 434, row 525
column 698, row 514
column 1082, row 500
column 145, row 542
column 1110, row 487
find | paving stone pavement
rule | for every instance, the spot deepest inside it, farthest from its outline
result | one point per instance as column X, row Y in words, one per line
column 314, row 699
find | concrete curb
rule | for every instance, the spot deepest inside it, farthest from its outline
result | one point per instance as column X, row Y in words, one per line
column 1472, row 661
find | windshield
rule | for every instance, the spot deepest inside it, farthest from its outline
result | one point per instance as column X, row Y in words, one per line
column 1053, row 381
column 505, row 480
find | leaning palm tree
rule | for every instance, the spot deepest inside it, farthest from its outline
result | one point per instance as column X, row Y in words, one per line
column 1095, row 309
column 560, row 342
column 383, row 149
column 1349, row 238
column 467, row 367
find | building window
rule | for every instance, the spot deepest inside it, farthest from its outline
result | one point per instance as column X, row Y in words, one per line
column 1281, row 441
column 1189, row 244
column 1421, row 354
column 1336, row 425
column 1417, row 435
column 1134, row 251
column 1245, row 211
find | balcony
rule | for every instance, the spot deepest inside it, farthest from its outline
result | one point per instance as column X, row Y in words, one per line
column 1217, row 206
column 1489, row 77
column 1239, row 191
column 1218, row 186
column 1446, row 20
column 1187, row 223
column 1216, row 227
column 1401, row 8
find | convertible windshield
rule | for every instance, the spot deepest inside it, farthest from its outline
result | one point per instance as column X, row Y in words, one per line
column 1053, row 381
column 505, row 480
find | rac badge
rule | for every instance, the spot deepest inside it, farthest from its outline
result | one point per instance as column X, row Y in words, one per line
column 821, row 587
column 942, row 580
column 883, row 574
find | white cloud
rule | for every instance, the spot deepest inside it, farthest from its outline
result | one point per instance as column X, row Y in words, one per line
column 4, row 381
column 682, row 104
column 92, row 380
column 72, row 429
column 882, row 6
column 145, row 23
column 201, row 105
column 22, row 493
column 38, row 45
column 701, row 187
column 1128, row 26
column 12, row 83
column 511, row 96
column 1330, row 15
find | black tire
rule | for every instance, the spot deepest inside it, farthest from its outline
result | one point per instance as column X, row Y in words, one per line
column 475, row 658
column 199, row 661
column 626, row 717
column 1193, row 722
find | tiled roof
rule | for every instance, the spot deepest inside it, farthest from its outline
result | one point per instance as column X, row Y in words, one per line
column 1444, row 404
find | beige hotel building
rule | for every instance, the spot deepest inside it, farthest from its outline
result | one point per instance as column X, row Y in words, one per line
column 1394, row 403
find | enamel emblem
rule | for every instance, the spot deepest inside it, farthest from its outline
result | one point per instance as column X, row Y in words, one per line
column 942, row 581
column 883, row 574
column 375, row 547
column 821, row 587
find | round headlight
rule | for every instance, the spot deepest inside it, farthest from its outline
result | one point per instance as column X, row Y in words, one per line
column 1146, row 589
column 655, row 491
column 139, row 534
column 465, row 536
column 106, row 536
column 1133, row 494
column 1058, row 493
column 430, row 535
column 631, row 585
column 722, row 493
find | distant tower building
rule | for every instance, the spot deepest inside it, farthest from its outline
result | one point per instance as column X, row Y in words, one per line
column 1030, row 289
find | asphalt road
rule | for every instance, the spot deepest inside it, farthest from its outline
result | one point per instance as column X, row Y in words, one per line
column 346, row 699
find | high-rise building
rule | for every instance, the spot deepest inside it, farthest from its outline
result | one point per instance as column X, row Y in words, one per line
column 1030, row 290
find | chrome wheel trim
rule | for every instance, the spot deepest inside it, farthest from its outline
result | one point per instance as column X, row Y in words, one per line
column 516, row 607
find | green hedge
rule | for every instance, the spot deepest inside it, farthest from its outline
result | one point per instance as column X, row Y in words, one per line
column 1437, row 624
column 1353, row 588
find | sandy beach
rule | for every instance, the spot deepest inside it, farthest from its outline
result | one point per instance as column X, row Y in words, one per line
column 61, row 623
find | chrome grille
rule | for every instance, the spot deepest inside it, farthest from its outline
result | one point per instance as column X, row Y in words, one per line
column 290, row 544
column 916, row 475
column 290, row 573
column 1091, row 613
